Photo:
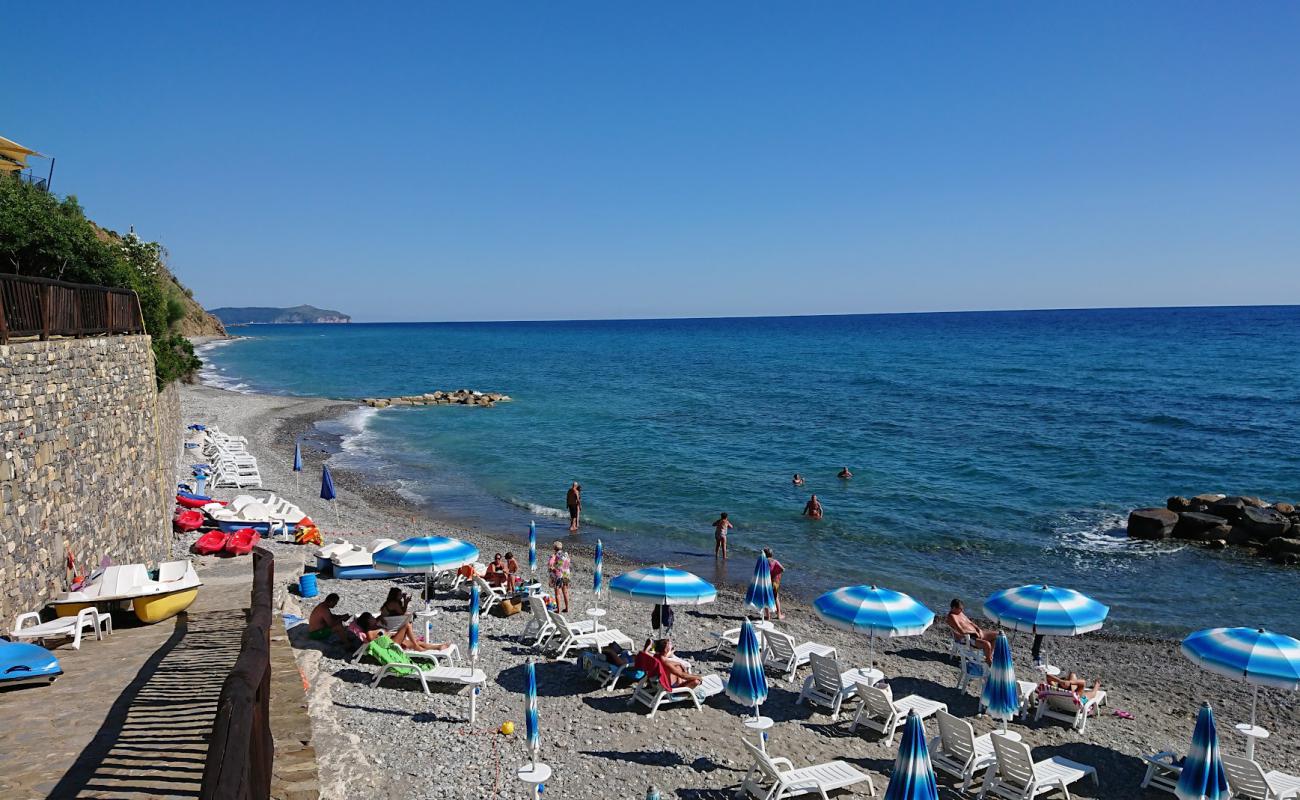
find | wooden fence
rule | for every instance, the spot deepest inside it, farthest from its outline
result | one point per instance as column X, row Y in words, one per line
column 43, row 307
column 240, row 751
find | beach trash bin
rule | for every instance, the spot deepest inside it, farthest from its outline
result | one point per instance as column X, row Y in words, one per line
column 200, row 480
column 307, row 586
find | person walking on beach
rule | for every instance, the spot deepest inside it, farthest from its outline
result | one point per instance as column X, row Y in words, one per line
column 775, row 568
column 560, row 569
column 813, row 508
column 574, row 501
column 720, row 535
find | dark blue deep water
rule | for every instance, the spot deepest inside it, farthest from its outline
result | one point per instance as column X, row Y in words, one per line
column 990, row 449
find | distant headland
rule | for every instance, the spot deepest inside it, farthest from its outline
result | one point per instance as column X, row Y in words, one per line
column 254, row 315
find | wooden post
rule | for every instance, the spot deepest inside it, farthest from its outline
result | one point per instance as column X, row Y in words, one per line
column 4, row 323
column 139, row 314
column 76, row 304
column 45, row 312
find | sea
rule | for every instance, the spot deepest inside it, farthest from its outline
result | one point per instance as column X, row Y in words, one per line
column 988, row 450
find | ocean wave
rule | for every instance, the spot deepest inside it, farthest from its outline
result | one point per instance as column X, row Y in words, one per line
column 538, row 510
column 1104, row 532
column 212, row 376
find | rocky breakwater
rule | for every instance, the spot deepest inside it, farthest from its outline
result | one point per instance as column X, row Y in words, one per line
column 1218, row 520
column 459, row 397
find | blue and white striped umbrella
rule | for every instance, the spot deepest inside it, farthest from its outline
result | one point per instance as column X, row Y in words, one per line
column 532, row 546
column 1203, row 777
column 747, row 684
column 1257, row 656
column 913, row 775
column 1001, row 695
column 873, row 611
column 598, row 570
column 533, row 730
column 664, row 586
column 425, row 554
column 326, row 484
column 760, row 596
column 297, row 457
column 1045, row 610
column 473, row 623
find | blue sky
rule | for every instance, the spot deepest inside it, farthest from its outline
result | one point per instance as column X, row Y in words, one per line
column 595, row 160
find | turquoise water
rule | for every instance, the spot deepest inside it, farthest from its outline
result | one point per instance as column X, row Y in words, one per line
column 989, row 449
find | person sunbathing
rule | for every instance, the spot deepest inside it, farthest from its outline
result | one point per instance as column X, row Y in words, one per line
column 396, row 603
column 512, row 570
column 1075, row 684
column 678, row 673
column 962, row 627
column 368, row 628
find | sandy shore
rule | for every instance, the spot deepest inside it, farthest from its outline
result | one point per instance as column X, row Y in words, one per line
column 394, row 742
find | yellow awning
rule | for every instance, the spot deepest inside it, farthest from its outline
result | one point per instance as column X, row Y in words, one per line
column 15, row 152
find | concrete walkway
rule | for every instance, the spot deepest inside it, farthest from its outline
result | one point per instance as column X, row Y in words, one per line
column 131, row 715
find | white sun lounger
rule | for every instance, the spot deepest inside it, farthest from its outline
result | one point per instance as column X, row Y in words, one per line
column 786, row 781
column 61, row 627
column 782, row 655
column 957, row 751
column 1248, row 779
column 881, row 713
column 828, row 685
column 488, row 594
column 1016, row 776
column 1066, row 706
column 651, row 693
column 596, row 640
column 1162, row 772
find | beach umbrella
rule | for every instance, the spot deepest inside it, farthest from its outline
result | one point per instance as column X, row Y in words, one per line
column 597, row 572
column 913, row 775
column 1257, row 656
column 874, row 611
column 297, row 463
column 327, row 489
column 760, row 596
column 747, row 684
column 1045, row 610
column 533, row 738
column 664, row 586
column 532, row 546
column 426, row 554
column 1001, row 696
column 473, row 623
column 1202, row 777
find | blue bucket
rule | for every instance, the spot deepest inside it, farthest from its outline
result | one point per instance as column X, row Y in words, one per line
column 307, row 586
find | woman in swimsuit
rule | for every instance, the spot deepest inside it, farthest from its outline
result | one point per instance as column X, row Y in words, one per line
column 813, row 508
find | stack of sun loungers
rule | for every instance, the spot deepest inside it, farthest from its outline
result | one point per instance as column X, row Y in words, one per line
column 233, row 467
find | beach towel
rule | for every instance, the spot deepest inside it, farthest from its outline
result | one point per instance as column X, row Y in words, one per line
column 385, row 651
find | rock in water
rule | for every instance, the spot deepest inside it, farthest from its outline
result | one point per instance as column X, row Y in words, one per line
column 1281, row 544
column 1177, row 503
column 1229, row 508
column 1199, row 526
column 1264, row 523
column 1151, row 523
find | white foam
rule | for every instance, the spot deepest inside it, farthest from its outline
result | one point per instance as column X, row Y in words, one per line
column 539, row 510
column 1104, row 532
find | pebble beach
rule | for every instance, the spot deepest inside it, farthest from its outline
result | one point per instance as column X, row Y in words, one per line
column 395, row 742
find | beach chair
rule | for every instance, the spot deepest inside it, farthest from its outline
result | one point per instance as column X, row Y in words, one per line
column 728, row 640
column 396, row 662
column 1016, row 776
column 540, row 626
column 783, row 656
column 61, row 627
column 651, row 691
column 957, row 751
column 1163, row 771
column 828, row 685
column 1067, row 706
column 786, row 781
column 449, row 654
column 1248, row 779
column 488, row 595
column 882, row 713
column 600, row 670
column 960, row 647
column 575, row 638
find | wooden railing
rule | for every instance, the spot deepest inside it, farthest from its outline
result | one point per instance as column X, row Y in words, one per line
column 44, row 308
column 240, row 750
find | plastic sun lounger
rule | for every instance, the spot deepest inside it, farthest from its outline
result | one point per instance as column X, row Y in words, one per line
column 1064, row 705
column 396, row 662
column 1162, row 771
column 881, row 713
column 828, row 685
column 787, row 781
column 606, row 674
column 958, row 752
column 597, row 640
column 62, row 627
column 652, row 690
column 1016, row 776
column 785, row 657
column 1248, row 779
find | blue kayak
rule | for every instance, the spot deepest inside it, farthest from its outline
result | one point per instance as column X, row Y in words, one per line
column 21, row 662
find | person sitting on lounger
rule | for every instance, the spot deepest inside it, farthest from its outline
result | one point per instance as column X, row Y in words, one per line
column 396, row 604
column 496, row 574
column 1074, row 683
column 962, row 627
column 678, row 675
column 512, row 570
column 368, row 628
column 324, row 623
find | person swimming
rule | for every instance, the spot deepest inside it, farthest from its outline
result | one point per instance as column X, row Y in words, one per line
column 844, row 474
column 813, row 508
column 798, row 480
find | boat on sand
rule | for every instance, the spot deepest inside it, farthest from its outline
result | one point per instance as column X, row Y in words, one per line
column 153, row 596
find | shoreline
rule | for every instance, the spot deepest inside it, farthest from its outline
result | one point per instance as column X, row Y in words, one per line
column 396, row 733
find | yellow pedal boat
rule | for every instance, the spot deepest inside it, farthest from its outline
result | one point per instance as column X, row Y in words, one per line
column 152, row 599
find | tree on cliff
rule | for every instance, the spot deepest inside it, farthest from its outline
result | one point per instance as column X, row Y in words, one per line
column 42, row 236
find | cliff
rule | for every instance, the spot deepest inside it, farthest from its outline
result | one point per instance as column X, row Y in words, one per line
column 196, row 321
column 255, row 315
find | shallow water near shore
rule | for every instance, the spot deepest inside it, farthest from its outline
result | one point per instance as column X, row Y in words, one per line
column 989, row 449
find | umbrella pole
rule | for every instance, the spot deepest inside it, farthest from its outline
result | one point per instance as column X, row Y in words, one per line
column 1254, row 700
column 426, row 590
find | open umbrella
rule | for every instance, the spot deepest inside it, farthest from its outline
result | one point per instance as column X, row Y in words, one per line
column 760, row 596
column 747, row 684
column 873, row 611
column 913, row 775
column 426, row 554
column 1001, row 696
column 297, row 463
column 1257, row 656
column 664, row 586
column 327, row 492
column 1203, row 777
column 1045, row 610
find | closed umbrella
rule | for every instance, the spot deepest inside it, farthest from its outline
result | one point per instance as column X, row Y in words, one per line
column 327, row 492
column 874, row 611
column 597, row 572
column 532, row 547
column 1001, row 696
column 533, row 773
column 473, row 648
column 1203, row 777
column 297, row 463
column 426, row 554
column 747, row 684
column 760, row 596
column 1257, row 656
column 913, row 775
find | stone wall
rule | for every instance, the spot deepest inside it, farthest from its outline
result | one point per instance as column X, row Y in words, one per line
column 89, row 458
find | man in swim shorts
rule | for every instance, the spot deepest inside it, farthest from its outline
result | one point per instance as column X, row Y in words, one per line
column 324, row 623
column 813, row 508
column 574, row 501
column 720, row 535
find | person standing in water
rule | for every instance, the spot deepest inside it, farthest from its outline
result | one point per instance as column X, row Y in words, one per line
column 798, row 480
column 813, row 508
column 720, row 528
column 574, row 501
column 844, row 474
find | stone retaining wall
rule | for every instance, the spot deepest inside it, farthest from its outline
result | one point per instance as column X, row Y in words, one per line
column 88, row 462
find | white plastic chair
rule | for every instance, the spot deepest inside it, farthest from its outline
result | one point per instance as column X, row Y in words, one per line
column 787, row 781
column 1066, row 706
column 1016, row 776
column 1248, row 779
column 881, row 713
column 782, row 655
column 1162, row 772
column 828, row 685
column 61, row 627
column 957, row 751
